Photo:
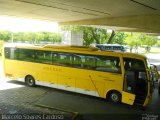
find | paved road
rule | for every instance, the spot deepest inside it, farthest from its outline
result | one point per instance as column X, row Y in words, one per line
column 1, row 71
column 153, row 58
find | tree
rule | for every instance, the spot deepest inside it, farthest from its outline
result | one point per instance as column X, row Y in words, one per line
column 111, row 37
column 30, row 37
column 56, row 37
column 1, row 47
column 5, row 35
column 51, row 37
column 158, row 43
column 133, row 40
column 95, row 35
column 149, row 41
column 119, row 38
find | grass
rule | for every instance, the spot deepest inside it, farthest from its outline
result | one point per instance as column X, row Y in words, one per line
column 154, row 50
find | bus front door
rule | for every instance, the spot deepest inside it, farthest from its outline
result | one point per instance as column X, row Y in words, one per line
column 128, row 98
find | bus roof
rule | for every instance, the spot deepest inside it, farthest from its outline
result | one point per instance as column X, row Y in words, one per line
column 51, row 47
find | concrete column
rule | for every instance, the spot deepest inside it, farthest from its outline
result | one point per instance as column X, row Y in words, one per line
column 72, row 38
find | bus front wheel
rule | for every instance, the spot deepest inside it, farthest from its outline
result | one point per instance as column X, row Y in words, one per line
column 114, row 97
column 30, row 81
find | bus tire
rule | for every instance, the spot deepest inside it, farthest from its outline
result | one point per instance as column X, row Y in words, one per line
column 114, row 97
column 30, row 81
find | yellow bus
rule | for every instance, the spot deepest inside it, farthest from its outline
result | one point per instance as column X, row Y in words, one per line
column 115, row 76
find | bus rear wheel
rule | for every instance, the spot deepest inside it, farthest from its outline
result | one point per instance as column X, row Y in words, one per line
column 114, row 97
column 30, row 81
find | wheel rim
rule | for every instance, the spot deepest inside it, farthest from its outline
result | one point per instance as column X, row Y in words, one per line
column 114, row 97
column 30, row 81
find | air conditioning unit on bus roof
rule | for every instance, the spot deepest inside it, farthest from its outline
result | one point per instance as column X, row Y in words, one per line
column 68, row 47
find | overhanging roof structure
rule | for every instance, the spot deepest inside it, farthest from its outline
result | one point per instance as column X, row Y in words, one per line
column 122, row 15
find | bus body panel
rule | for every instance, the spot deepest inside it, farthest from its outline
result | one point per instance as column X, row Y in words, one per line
column 110, row 82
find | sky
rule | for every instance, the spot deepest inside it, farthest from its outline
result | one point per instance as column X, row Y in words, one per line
column 25, row 25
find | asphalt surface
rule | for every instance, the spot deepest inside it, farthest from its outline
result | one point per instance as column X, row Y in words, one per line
column 153, row 58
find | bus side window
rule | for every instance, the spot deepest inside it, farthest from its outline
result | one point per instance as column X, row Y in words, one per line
column 90, row 62
column 11, row 53
column 65, row 59
column 7, row 52
column 16, row 53
column 43, row 57
column 55, row 58
column 108, row 64
column 26, row 55
column 77, row 61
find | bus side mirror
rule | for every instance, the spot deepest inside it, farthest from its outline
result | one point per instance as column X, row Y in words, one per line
column 153, row 67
